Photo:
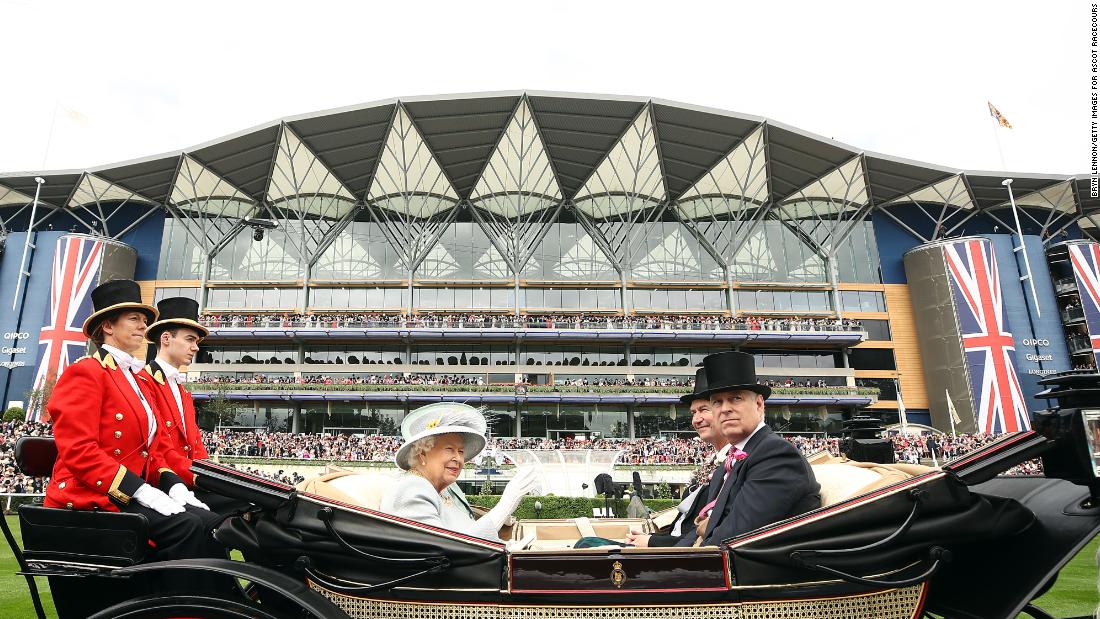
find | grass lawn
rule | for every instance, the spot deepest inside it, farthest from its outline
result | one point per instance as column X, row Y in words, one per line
column 1074, row 594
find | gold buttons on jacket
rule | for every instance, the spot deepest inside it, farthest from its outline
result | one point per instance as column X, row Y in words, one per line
column 98, row 482
column 118, row 434
column 118, row 452
column 145, row 454
column 69, row 505
column 168, row 423
column 118, row 416
column 187, row 448
column 61, row 485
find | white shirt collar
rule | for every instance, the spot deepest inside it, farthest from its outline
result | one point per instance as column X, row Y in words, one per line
column 740, row 445
column 721, row 453
column 168, row 369
column 124, row 359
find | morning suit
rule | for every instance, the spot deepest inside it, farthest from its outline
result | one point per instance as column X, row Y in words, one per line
column 415, row 498
column 702, row 495
column 772, row 483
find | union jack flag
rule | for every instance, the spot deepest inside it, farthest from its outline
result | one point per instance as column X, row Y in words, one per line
column 1086, row 266
column 76, row 263
column 987, row 343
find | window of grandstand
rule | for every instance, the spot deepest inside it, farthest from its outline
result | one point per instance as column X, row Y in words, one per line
column 360, row 253
column 877, row 330
column 862, row 301
column 348, row 298
column 678, row 299
column 576, row 355
column 667, row 251
column 253, row 353
column 872, row 359
column 657, row 356
column 253, row 298
column 559, row 420
column 570, row 298
column 457, row 354
column 857, row 258
column 809, row 420
column 448, row 298
column 568, row 253
column 356, row 353
column 784, row 300
column 799, row 359
column 367, row 417
column 887, row 387
column 463, row 252
column 164, row 293
column 668, row 421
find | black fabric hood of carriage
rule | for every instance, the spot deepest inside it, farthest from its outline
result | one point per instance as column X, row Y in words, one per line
column 950, row 514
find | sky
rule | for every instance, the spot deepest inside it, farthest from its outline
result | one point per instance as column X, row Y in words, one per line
column 95, row 83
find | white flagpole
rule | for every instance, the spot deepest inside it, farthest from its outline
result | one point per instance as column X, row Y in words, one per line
column 951, row 414
column 901, row 408
column 23, row 272
column 1020, row 233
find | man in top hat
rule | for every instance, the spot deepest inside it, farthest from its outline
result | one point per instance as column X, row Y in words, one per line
column 683, row 531
column 764, row 478
column 176, row 336
column 110, row 443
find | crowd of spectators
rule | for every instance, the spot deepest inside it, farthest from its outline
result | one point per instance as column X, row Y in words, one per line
column 370, row 379
column 11, row 480
column 916, row 449
column 532, row 321
column 685, row 383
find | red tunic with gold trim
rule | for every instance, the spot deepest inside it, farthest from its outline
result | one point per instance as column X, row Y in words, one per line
column 100, row 428
column 184, row 438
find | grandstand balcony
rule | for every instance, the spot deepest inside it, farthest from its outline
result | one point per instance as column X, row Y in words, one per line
column 592, row 331
column 505, row 393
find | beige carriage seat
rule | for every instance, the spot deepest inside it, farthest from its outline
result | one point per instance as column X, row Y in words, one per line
column 841, row 478
column 560, row 534
column 364, row 489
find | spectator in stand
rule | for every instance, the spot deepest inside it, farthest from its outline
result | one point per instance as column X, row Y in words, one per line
column 489, row 320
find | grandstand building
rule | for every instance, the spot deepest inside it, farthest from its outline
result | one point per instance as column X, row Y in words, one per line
column 534, row 251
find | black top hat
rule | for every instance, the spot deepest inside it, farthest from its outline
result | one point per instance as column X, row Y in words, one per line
column 176, row 312
column 700, row 387
column 110, row 297
column 731, row 371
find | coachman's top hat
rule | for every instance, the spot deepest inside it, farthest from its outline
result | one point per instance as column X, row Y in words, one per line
column 732, row 371
column 115, row 296
column 700, row 388
column 176, row 312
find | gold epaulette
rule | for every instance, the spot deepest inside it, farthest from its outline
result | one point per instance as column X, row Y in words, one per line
column 157, row 375
column 106, row 360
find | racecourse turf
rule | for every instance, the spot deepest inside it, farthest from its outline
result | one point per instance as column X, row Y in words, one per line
column 1074, row 594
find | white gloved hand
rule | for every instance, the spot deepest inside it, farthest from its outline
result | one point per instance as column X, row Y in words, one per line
column 526, row 481
column 157, row 501
column 180, row 494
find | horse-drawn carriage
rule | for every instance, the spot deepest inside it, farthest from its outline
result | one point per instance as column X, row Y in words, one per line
column 957, row 541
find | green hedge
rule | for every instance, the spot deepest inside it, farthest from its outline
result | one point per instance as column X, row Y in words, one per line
column 567, row 507
column 232, row 387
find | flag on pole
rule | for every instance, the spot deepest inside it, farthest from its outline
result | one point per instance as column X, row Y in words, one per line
column 951, row 409
column 995, row 113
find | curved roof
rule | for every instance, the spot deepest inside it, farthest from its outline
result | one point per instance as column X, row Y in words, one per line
column 617, row 154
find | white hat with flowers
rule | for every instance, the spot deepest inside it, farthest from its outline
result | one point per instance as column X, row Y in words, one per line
column 443, row 418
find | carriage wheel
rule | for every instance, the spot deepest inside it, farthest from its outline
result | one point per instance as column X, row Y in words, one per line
column 185, row 606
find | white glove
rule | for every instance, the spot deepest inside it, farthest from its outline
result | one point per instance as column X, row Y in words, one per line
column 526, row 481
column 180, row 494
column 157, row 501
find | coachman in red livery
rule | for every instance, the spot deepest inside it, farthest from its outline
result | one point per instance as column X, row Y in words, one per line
column 111, row 452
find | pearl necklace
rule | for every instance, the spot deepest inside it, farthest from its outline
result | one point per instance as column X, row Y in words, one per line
column 445, row 498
